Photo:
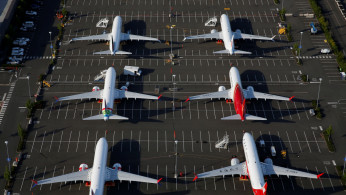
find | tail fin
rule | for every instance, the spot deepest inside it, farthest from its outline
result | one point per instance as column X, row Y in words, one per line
column 101, row 117
column 247, row 117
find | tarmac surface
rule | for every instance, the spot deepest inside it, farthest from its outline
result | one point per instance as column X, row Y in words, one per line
column 161, row 133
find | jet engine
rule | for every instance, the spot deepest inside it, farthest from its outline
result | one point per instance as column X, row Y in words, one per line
column 96, row 88
column 238, row 32
column 117, row 166
column 222, row 88
column 213, row 31
column 83, row 167
column 234, row 161
column 268, row 161
column 123, row 88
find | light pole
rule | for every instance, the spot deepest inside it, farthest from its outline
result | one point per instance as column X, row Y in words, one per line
column 176, row 159
column 318, row 95
column 300, row 43
column 282, row 6
column 28, row 77
column 8, row 158
column 173, row 81
column 51, row 46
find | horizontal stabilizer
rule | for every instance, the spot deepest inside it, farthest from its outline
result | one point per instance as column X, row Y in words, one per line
column 247, row 117
column 123, row 52
column 241, row 52
column 104, row 52
column 101, row 117
column 117, row 117
column 221, row 52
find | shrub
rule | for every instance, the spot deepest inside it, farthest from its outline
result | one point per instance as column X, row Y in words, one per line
column 282, row 14
column 304, row 77
column 327, row 134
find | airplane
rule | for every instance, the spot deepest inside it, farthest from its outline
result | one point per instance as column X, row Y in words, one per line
column 254, row 169
column 108, row 94
column 114, row 38
column 238, row 95
column 228, row 36
column 98, row 175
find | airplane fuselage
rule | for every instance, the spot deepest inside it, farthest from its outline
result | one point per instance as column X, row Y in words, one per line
column 97, row 180
column 108, row 93
column 236, row 92
column 253, row 164
column 115, row 36
column 227, row 33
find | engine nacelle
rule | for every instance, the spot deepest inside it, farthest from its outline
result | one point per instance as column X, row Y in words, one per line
column 96, row 88
column 117, row 166
column 250, row 88
column 213, row 31
column 222, row 88
column 234, row 161
column 83, row 167
column 238, row 31
column 268, row 161
column 123, row 88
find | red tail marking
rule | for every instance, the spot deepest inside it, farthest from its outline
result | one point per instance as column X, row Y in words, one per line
column 291, row 98
column 34, row 181
column 159, row 97
column 318, row 176
column 187, row 99
column 174, row 135
column 196, row 177
column 56, row 98
column 171, row 70
column 158, row 181
column 243, row 111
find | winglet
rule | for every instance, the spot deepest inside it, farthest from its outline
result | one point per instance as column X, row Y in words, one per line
column 291, row 98
column 56, row 99
column 159, row 97
column 35, row 183
column 187, row 99
column 158, row 181
column 318, row 176
column 184, row 39
column 273, row 38
column 196, row 177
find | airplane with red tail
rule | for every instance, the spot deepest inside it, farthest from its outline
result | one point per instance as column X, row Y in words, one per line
column 254, row 169
column 238, row 95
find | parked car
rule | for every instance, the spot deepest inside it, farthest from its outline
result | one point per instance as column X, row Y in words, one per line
column 17, row 53
column 28, row 24
column 31, row 13
column 14, row 58
column 325, row 51
column 20, row 42
column 12, row 62
column 24, row 39
column 17, row 48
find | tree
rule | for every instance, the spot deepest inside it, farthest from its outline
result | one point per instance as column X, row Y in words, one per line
column 7, row 174
column 21, row 132
column 329, row 131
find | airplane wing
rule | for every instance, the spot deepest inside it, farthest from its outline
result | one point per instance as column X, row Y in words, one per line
column 213, row 95
column 216, row 35
column 239, row 35
column 239, row 169
column 249, row 93
column 93, row 37
column 269, row 169
column 88, row 95
column 125, row 36
column 114, row 174
column 128, row 94
column 75, row 176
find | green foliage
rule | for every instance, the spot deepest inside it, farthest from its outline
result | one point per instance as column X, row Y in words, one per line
column 325, row 27
column 21, row 132
column 296, row 49
column 342, row 176
column 314, row 103
column 282, row 14
column 29, row 105
column 304, row 77
column 7, row 174
column 327, row 134
column 41, row 77
column 276, row 1
column 20, row 145
column 319, row 115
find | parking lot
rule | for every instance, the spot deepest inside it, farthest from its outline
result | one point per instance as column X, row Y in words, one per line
column 145, row 144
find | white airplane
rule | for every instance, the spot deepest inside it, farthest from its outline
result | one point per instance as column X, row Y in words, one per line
column 254, row 169
column 98, row 175
column 108, row 94
column 238, row 95
column 228, row 37
column 114, row 38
